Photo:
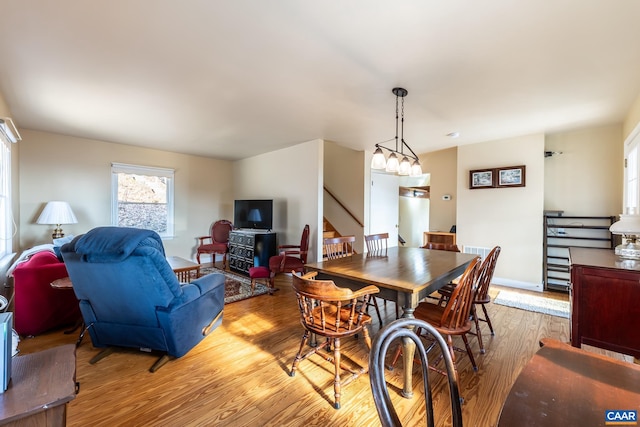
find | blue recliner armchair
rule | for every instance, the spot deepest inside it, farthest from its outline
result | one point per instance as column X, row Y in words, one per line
column 130, row 297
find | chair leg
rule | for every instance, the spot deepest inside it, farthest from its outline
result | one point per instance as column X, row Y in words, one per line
column 486, row 316
column 466, row 344
column 474, row 314
column 336, row 380
column 272, row 276
column 296, row 361
column 374, row 302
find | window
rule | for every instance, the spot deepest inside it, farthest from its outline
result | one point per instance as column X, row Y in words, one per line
column 142, row 197
column 632, row 180
column 6, row 215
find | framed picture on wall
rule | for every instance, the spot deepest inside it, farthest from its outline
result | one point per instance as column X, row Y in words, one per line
column 482, row 178
column 512, row 176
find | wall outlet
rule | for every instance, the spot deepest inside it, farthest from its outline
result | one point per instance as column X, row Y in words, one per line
column 561, row 231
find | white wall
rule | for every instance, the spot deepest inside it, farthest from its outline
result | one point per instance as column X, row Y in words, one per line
column 442, row 166
column 58, row 167
column 587, row 178
column 344, row 176
column 508, row 217
column 292, row 177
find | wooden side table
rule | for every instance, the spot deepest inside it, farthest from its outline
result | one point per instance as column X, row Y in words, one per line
column 41, row 385
column 183, row 268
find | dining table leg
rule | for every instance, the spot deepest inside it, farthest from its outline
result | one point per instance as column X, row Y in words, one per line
column 408, row 353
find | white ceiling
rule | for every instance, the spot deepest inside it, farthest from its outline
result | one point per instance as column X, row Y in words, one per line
column 232, row 79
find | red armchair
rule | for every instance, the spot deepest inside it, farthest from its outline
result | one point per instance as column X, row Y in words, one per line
column 37, row 306
column 217, row 242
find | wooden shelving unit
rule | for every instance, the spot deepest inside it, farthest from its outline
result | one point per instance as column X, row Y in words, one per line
column 562, row 232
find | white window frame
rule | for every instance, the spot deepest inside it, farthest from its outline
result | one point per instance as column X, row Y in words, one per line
column 117, row 168
column 7, row 226
column 632, row 173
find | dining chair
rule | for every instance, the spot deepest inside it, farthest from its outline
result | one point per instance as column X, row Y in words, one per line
column 217, row 242
column 338, row 247
column 342, row 247
column 333, row 313
column 290, row 257
column 402, row 329
column 453, row 319
column 377, row 245
column 440, row 247
column 482, row 297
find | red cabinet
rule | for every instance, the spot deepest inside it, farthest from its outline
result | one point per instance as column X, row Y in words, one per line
column 605, row 301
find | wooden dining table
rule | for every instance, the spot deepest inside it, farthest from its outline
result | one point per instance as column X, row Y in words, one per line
column 567, row 386
column 403, row 275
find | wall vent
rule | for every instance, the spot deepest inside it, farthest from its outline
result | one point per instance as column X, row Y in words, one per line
column 476, row 250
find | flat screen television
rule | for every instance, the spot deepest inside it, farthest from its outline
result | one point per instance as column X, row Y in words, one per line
column 254, row 214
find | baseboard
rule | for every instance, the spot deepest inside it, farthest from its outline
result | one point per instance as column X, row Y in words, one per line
column 527, row 286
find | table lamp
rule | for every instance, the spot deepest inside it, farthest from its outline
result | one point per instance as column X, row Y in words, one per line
column 57, row 213
column 629, row 228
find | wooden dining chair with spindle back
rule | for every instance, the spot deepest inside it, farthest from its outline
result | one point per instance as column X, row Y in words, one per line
column 342, row 247
column 334, row 313
column 482, row 298
column 454, row 319
column 377, row 245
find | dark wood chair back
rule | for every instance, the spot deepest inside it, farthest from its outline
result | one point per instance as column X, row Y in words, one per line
column 387, row 336
column 377, row 244
column 458, row 309
column 485, row 275
column 338, row 247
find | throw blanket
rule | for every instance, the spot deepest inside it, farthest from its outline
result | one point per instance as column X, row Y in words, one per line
column 24, row 256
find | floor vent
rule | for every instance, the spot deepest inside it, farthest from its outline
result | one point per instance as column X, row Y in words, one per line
column 476, row 250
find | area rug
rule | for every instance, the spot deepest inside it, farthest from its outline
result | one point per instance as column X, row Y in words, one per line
column 533, row 303
column 236, row 286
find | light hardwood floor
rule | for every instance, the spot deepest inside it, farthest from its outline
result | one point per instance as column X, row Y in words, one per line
column 238, row 376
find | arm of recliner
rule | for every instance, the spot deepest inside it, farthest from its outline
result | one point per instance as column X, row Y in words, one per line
column 208, row 282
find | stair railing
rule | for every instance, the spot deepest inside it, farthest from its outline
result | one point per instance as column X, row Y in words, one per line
column 333, row 196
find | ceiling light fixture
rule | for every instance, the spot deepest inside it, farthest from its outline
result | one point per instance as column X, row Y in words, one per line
column 403, row 166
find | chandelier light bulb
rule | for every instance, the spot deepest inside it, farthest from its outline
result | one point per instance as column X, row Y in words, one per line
column 392, row 163
column 416, row 169
column 405, row 166
column 378, row 161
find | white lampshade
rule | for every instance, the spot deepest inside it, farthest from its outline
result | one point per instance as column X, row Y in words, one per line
column 392, row 163
column 629, row 228
column 57, row 212
column 628, row 224
column 416, row 169
column 378, row 161
column 405, row 167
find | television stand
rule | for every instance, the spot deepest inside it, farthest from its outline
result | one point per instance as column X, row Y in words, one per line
column 250, row 248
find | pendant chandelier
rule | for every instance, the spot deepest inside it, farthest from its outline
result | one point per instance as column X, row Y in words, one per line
column 392, row 165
